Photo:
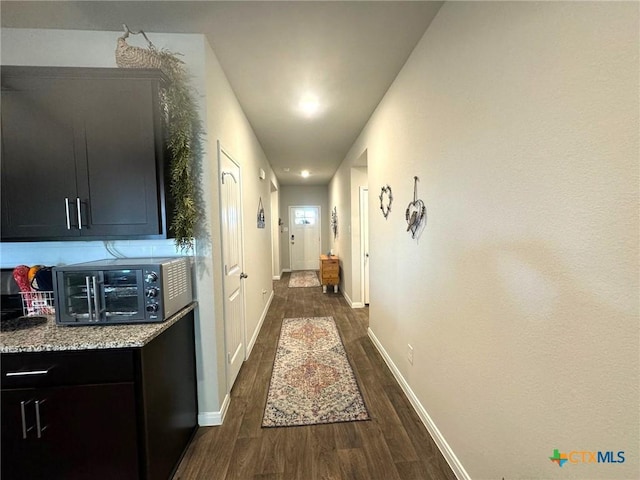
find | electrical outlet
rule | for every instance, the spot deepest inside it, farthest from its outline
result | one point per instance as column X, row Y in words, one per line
column 410, row 354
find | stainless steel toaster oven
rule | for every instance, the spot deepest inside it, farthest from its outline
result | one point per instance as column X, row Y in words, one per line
column 121, row 290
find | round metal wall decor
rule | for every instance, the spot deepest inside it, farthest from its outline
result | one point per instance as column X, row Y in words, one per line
column 386, row 199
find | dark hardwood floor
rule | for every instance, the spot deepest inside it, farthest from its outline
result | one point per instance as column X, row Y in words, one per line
column 394, row 445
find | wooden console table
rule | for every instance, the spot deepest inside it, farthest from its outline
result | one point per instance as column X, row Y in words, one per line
column 329, row 272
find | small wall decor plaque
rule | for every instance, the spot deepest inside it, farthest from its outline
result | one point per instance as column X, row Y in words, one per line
column 416, row 211
column 260, row 214
column 334, row 222
column 386, row 199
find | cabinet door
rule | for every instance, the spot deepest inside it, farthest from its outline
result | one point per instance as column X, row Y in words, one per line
column 84, row 432
column 20, row 446
column 38, row 159
column 118, row 184
column 168, row 383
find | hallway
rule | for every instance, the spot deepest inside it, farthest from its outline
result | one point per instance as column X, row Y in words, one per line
column 394, row 445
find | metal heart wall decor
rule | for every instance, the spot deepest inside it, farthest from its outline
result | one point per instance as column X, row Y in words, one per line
column 416, row 211
column 334, row 222
column 386, row 198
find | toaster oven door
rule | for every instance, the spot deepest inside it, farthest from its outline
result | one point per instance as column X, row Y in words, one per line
column 76, row 301
column 100, row 296
column 123, row 296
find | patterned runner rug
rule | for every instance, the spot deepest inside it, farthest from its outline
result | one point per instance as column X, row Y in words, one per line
column 312, row 381
column 306, row 278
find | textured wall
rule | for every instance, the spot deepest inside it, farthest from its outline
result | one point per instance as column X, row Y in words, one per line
column 520, row 298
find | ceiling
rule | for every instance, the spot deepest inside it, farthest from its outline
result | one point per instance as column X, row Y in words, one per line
column 341, row 57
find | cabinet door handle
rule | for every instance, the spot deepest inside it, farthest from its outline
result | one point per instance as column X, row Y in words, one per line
column 78, row 207
column 23, row 415
column 66, row 208
column 39, row 427
column 24, row 419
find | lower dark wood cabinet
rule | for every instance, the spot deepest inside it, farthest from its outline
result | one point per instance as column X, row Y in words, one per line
column 78, row 432
column 100, row 414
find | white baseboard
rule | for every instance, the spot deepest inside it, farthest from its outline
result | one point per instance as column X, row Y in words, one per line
column 276, row 277
column 346, row 297
column 286, row 270
column 351, row 304
column 252, row 342
column 212, row 419
column 428, row 422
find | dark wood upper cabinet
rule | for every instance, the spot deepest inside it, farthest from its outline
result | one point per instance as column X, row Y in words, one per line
column 82, row 154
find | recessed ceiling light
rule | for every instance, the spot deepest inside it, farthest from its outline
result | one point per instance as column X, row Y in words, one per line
column 304, row 173
column 309, row 105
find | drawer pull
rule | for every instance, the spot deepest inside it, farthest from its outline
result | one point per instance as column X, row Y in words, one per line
column 26, row 373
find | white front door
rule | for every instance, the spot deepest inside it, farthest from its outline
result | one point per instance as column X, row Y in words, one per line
column 364, row 235
column 231, row 221
column 304, row 237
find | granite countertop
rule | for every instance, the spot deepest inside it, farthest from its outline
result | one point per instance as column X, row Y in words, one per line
column 41, row 334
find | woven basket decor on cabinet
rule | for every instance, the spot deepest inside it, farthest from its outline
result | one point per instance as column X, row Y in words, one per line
column 129, row 56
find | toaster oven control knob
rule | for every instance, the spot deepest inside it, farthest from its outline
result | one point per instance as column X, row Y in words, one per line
column 151, row 277
column 152, row 307
column 152, row 292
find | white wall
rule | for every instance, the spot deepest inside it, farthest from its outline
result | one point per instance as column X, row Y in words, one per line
column 359, row 178
column 344, row 192
column 224, row 121
column 520, row 298
column 227, row 124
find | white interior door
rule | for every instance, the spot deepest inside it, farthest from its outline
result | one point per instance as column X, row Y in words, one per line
column 364, row 235
column 304, row 237
column 231, row 224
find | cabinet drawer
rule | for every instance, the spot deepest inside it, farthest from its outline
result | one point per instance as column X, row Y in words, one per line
column 331, row 268
column 40, row 369
column 330, row 278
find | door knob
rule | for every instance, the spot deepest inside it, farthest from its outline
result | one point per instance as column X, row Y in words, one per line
column 243, row 275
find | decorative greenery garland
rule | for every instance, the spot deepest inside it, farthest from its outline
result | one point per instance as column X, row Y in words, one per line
column 184, row 132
